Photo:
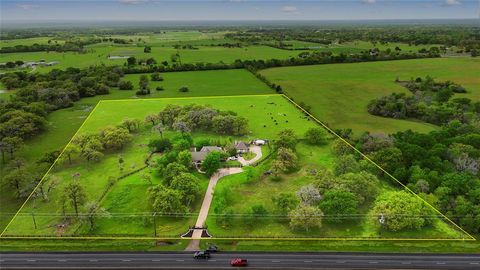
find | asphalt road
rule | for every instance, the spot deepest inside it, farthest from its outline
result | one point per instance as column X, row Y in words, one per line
column 184, row 260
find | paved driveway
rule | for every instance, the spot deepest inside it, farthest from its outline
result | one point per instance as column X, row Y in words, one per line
column 207, row 200
column 258, row 155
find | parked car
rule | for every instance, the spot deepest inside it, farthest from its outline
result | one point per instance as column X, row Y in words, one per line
column 239, row 262
column 212, row 248
column 202, row 255
column 232, row 158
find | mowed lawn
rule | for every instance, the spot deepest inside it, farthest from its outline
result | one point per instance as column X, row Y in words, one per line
column 339, row 93
column 205, row 83
column 258, row 109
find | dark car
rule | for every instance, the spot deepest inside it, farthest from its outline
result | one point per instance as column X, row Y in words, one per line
column 238, row 262
column 202, row 255
column 212, row 248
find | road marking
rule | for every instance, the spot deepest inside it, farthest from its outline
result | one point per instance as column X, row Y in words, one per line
column 126, row 260
column 61, row 260
column 307, row 261
column 93, row 260
column 372, row 262
column 340, row 262
column 276, row 261
column 474, row 263
column 180, row 260
column 406, row 263
column 440, row 263
column 213, row 260
column 156, row 260
column 31, row 260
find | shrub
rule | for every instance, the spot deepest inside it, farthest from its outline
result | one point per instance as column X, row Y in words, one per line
column 156, row 77
column 184, row 89
column 143, row 92
column 125, row 85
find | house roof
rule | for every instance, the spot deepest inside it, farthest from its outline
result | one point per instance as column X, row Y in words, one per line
column 209, row 149
column 198, row 156
column 241, row 146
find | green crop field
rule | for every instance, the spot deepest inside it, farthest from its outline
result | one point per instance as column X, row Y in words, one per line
column 338, row 94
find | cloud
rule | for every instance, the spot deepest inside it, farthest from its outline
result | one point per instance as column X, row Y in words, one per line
column 290, row 9
column 449, row 3
column 369, row 1
column 26, row 6
column 132, row 2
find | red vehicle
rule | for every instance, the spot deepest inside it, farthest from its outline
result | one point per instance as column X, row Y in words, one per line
column 238, row 262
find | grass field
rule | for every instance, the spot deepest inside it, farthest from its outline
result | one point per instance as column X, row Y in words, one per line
column 338, row 94
column 128, row 195
column 205, row 83
column 63, row 123
column 30, row 41
column 98, row 54
column 173, row 37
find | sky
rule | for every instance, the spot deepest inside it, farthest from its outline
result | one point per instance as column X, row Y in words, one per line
column 183, row 10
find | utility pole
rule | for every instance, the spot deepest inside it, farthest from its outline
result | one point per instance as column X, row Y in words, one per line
column 155, row 224
column 34, row 221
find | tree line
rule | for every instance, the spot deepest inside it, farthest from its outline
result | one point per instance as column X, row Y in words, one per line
column 465, row 37
column 75, row 45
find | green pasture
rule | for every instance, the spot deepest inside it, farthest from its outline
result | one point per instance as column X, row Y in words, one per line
column 171, row 37
column 30, row 41
column 99, row 54
column 338, row 94
column 204, row 83
column 206, row 54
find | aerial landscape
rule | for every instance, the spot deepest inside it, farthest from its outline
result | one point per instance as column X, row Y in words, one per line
column 265, row 134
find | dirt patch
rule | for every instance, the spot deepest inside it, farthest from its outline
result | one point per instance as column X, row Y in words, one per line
column 62, row 228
